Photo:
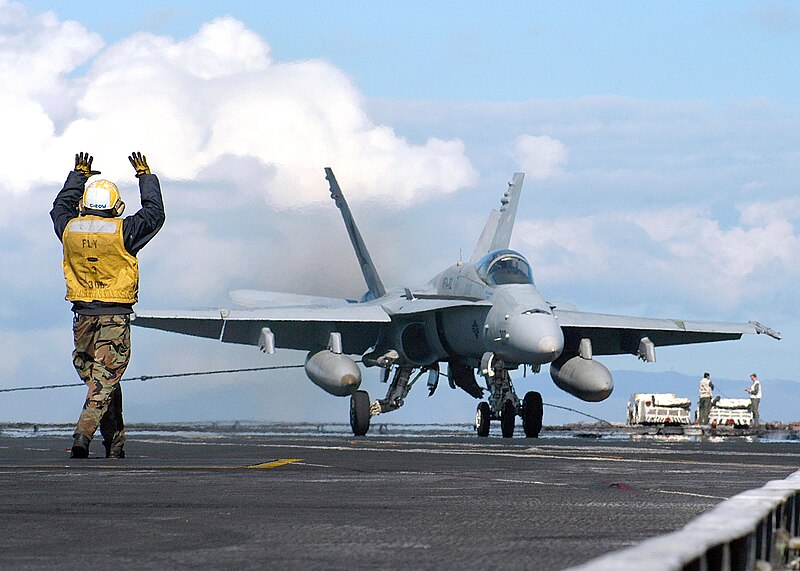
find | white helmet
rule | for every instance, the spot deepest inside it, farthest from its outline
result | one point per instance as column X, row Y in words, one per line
column 101, row 195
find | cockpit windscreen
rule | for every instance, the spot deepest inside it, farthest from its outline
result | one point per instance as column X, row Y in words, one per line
column 503, row 267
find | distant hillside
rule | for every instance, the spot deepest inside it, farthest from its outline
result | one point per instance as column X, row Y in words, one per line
column 779, row 403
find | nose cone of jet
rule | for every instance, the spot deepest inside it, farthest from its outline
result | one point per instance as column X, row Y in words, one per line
column 535, row 339
column 551, row 345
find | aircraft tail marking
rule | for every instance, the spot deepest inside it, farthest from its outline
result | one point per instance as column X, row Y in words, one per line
column 496, row 233
column 374, row 285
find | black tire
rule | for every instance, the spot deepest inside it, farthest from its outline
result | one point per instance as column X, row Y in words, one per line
column 482, row 418
column 532, row 412
column 359, row 413
column 507, row 418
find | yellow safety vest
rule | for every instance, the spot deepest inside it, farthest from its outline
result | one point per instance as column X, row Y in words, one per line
column 97, row 267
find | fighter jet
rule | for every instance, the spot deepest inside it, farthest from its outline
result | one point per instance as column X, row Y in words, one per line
column 485, row 315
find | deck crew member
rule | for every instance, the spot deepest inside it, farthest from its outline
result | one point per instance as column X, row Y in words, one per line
column 755, row 396
column 706, row 394
column 102, row 277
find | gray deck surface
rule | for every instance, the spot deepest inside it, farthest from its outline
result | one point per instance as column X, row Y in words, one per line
column 330, row 501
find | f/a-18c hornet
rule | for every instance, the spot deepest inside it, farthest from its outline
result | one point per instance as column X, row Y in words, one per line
column 484, row 315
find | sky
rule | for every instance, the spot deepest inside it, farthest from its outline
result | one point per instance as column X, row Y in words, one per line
column 660, row 142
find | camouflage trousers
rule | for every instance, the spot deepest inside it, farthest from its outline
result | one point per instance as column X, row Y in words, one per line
column 102, row 351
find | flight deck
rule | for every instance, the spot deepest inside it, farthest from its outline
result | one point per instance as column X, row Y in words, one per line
column 315, row 497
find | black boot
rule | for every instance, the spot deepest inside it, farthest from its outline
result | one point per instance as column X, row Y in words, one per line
column 113, row 452
column 80, row 447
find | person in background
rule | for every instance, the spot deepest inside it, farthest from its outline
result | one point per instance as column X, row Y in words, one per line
column 755, row 396
column 706, row 394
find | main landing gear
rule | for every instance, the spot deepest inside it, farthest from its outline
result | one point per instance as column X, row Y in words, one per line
column 504, row 405
column 361, row 411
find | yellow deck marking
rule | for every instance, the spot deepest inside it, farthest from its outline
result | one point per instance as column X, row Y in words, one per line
column 125, row 466
column 275, row 463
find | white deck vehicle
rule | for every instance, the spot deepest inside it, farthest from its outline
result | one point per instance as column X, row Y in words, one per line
column 731, row 412
column 664, row 408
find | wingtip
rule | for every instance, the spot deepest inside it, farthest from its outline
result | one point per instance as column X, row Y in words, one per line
column 763, row 329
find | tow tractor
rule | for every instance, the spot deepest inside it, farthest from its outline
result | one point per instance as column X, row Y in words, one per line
column 730, row 412
column 664, row 409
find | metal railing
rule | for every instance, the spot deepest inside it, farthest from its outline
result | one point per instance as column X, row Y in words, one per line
column 755, row 530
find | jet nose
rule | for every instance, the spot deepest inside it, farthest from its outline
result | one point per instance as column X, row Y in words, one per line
column 551, row 345
column 536, row 339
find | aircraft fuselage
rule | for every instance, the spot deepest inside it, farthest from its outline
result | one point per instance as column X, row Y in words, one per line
column 515, row 322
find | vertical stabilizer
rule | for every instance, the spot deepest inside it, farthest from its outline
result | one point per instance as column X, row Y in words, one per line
column 375, row 287
column 496, row 233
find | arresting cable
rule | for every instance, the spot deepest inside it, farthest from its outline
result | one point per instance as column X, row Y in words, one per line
column 153, row 377
column 227, row 372
column 579, row 412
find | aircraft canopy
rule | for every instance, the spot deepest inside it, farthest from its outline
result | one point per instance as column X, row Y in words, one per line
column 502, row 267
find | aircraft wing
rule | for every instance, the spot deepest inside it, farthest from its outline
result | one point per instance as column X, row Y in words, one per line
column 256, row 298
column 619, row 334
column 301, row 327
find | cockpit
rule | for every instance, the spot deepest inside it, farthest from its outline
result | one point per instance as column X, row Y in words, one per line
column 502, row 267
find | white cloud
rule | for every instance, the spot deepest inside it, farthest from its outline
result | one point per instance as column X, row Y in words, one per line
column 191, row 104
column 37, row 51
column 677, row 252
column 563, row 249
column 36, row 55
column 221, row 48
column 539, row 157
column 710, row 258
column 193, row 262
column 756, row 213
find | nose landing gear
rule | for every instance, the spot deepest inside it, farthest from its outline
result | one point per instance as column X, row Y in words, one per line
column 504, row 405
column 482, row 418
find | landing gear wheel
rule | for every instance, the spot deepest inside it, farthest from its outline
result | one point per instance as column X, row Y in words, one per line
column 482, row 418
column 532, row 414
column 507, row 418
column 359, row 413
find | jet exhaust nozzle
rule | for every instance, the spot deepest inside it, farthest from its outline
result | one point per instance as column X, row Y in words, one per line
column 334, row 373
column 586, row 379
